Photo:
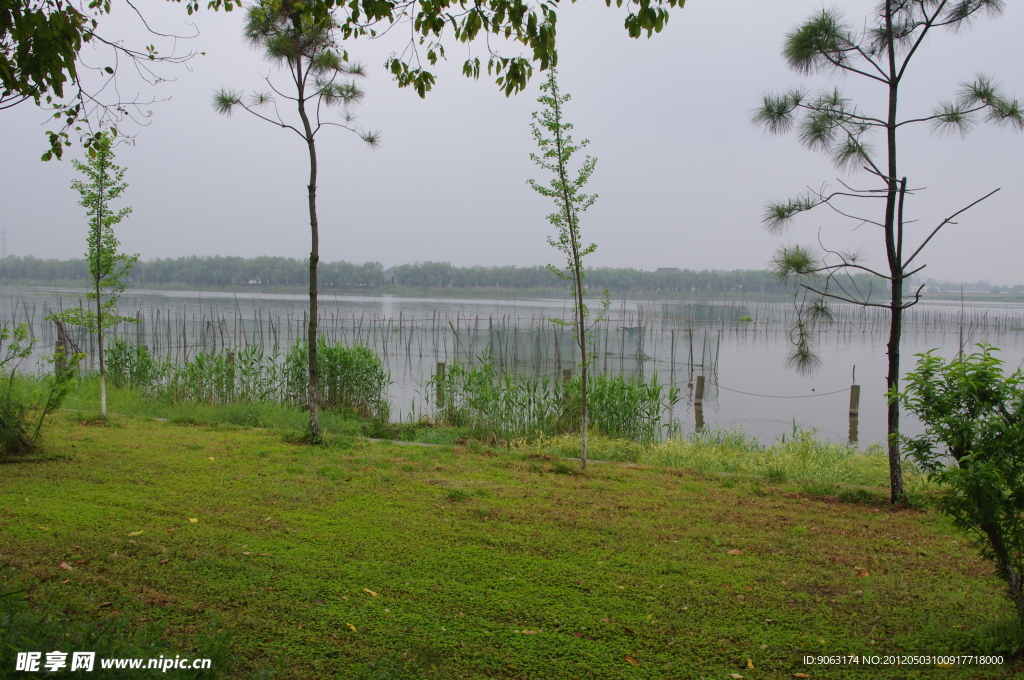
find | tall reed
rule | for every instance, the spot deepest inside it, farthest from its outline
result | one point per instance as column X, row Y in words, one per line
column 352, row 377
column 486, row 399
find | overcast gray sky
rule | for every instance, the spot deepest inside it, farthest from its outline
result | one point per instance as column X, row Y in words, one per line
column 682, row 174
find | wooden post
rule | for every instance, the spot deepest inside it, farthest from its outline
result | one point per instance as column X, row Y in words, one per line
column 854, row 401
column 699, row 396
column 439, row 381
column 698, row 410
column 854, row 412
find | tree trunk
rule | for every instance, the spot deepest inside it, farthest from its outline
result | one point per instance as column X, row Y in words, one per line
column 98, row 279
column 1006, row 568
column 314, row 259
column 893, row 249
column 581, row 334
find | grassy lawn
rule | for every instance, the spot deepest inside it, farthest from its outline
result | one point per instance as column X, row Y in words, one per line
column 384, row 561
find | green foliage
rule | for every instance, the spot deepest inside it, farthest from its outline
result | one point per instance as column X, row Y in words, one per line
column 973, row 447
column 511, row 406
column 278, row 274
column 551, row 133
column 505, row 19
column 24, row 407
column 104, row 183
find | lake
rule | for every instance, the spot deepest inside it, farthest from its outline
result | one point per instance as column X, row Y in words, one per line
column 747, row 384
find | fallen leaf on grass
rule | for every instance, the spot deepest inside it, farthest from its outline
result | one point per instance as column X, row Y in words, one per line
column 631, row 660
column 736, row 676
column 369, row 592
column 800, row 675
column 750, row 664
column 65, row 565
column 577, row 633
column 135, row 533
column 171, row 529
column 529, row 632
column 192, row 520
column 735, row 552
column 65, row 581
column 265, row 555
column 105, row 604
column 246, row 552
column 209, row 457
column 351, row 627
column 862, row 573
column 268, row 519
column 165, row 560
column 45, row 528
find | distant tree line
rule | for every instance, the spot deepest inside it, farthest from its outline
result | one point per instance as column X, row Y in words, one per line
column 281, row 272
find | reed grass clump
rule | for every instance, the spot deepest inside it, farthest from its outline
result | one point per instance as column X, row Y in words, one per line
column 488, row 400
column 351, row 377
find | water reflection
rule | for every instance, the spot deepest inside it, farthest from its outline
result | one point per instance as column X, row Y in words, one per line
column 740, row 362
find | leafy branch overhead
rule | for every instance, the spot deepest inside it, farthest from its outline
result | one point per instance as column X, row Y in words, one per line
column 494, row 22
column 40, row 46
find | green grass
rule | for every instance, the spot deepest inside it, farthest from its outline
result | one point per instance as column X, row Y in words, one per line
column 282, row 417
column 382, row 561
column 799, row 463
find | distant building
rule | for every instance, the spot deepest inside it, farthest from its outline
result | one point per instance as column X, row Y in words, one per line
column 660, row 270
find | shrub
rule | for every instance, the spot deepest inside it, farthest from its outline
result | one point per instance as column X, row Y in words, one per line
column 24, row 406
column 973, row 447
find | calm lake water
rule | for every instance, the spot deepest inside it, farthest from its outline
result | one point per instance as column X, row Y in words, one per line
column 748, row 385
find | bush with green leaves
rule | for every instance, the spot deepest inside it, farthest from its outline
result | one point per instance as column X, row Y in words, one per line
column 24, row 405
column 973, row 448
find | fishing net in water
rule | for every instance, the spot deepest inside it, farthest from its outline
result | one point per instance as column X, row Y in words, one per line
column 511, row 346
column 691, row 311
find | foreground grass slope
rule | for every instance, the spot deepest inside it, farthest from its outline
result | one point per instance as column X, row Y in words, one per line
column 446, row 562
